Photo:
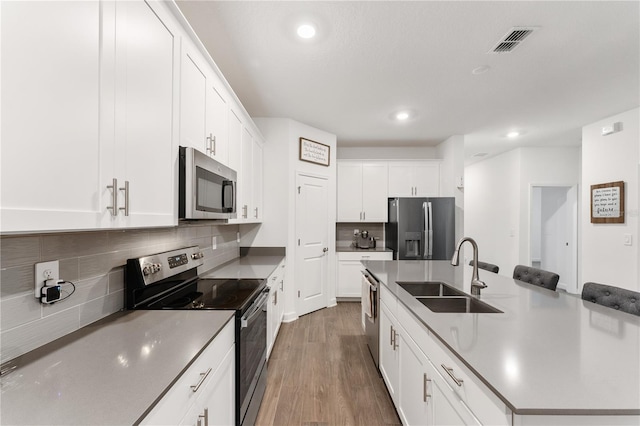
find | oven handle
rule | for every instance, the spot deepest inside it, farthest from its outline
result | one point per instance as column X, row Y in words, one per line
column 246, row 319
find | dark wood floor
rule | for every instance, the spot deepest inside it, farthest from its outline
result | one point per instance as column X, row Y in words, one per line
column 321, row 373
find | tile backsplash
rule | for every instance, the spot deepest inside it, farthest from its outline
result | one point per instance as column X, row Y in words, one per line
column 94, row 261
column 344, row 232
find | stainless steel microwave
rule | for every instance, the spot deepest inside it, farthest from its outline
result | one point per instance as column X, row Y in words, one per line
column 207, row 188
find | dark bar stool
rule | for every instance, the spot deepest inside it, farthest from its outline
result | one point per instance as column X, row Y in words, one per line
column 536, row 276
column 486, row 266
column 612, row 297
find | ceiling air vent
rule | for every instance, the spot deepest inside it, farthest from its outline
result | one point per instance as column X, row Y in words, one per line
column 512, row 39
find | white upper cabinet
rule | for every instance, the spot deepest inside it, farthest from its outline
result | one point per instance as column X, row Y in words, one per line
column 217, row 135
column 249, row 194
column 50, row 164
column 96, row 98
column 414, row 178
column 362, row 191
column 203, row 108
column 193, row 101
column 102, row 113
column 145, row 115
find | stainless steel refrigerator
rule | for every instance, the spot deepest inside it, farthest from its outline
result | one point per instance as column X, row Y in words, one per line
column 421, row 228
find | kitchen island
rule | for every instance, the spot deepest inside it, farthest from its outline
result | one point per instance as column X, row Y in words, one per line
column 549, row 357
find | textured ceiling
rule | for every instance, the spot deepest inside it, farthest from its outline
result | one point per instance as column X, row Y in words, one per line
column 373, row 58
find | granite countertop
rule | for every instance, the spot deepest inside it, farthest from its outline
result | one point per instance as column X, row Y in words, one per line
column 253, row 265
column 547, row 353
column 109, row 372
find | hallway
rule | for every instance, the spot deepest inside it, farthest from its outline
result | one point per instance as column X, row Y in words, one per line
column 321, row 373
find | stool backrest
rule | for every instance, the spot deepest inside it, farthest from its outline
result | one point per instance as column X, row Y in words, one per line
column 536, row 276
column 612, row 297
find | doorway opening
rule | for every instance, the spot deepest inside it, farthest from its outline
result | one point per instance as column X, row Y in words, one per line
column 554, row 233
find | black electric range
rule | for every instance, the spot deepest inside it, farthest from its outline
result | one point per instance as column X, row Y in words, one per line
column 170, row 280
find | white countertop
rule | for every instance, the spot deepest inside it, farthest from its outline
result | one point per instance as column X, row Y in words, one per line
column 548, row 353
column 110, row 372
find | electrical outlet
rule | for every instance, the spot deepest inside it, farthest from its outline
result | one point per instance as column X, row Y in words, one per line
column 45, row 271
column 238, row 237
column 356, row 231
column 214, row 242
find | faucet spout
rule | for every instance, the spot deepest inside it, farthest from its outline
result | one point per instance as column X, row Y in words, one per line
column 476, row 284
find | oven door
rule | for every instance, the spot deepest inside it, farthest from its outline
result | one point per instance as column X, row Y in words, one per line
column 207, row 187
column 253, row 356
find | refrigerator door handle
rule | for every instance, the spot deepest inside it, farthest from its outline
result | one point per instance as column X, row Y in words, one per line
column 425, row 230
column 430, row 229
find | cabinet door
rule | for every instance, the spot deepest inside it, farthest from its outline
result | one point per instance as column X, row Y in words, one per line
column 217, row 134
column 245, row 180
column 145, row 84
column 427, row 179
column 193, row 89
column 257, row 168
column 401, row 180
column 446, row 409
column 374, row 192
column 349, row 278
column 272, row 312
column 389, row 358
column 349, row 192
column 415, row 407
column 235, row 160
column 50, row 164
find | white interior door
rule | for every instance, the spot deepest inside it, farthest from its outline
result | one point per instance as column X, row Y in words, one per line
column 312, row 231
column 554, row 233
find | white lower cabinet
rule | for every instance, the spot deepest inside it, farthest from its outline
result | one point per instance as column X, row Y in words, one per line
column 349, row 271
column 275, row 307
column 205, row 393
column 427, row 385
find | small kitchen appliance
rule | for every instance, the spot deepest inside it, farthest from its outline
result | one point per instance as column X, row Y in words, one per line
column 364, row 241
column 206, row 188
column 170, row 280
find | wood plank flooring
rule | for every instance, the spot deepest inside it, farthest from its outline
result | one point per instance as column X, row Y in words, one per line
column 321, row 373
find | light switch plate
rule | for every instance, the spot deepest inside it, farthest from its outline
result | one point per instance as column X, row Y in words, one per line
column 627, row 239
column 44, row 270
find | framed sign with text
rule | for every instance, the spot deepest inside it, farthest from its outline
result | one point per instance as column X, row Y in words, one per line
column 607, row 202
column 314, row 152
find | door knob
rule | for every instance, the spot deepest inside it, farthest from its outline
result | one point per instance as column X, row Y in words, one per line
column 324, row 250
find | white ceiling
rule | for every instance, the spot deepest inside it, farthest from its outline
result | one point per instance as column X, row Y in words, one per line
column 373, row 58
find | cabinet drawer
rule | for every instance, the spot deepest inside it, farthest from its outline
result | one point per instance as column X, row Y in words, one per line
column 176, row 402
column 389, row 299
column 484, row 404
column 365, row 255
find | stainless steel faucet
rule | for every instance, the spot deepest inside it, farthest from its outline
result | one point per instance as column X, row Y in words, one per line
column 476, row 284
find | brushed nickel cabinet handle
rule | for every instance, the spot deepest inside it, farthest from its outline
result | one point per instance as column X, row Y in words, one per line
column 203, row 376
column 395, row 341
column 204, row 416
column 450, row 373
column 391, row 335
column 126, row 198
column 425, row 391
column 114, row 197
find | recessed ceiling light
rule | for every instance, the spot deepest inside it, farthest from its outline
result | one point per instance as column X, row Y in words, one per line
column 512, row 135
column 480, row 70
column 306, row 31
column 402, row 115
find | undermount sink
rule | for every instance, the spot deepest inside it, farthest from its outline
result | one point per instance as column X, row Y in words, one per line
column 463, row 304
column 430, row 288
column 441, row 297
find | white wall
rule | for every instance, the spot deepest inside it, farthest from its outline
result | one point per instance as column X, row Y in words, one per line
column 543, row 166
column 611, row 158
column 451, row 152
column 492, row 209
column 388, row 153
column 281, row 165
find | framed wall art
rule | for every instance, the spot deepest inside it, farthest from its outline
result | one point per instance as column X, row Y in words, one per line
column 607, row 202
column 314, row 152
